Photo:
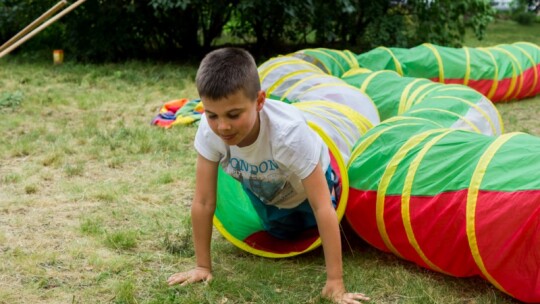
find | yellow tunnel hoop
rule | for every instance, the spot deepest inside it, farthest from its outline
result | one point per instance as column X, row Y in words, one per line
column 533, row 65
column 406, row 199
column 362, row 123
column 387, row 178
column 472, row 200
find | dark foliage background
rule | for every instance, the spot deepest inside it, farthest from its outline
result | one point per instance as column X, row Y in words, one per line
column 117, row 30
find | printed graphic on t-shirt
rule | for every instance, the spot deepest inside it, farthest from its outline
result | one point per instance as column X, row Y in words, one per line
column 265, row 180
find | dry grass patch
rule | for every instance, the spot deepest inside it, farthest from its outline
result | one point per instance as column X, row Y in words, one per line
column 89, row 186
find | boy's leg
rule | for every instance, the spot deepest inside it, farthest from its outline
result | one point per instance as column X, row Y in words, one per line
column 288, row 223
column 280, row 223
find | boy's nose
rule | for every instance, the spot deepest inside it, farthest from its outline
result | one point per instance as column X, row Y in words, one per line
column 223, row 125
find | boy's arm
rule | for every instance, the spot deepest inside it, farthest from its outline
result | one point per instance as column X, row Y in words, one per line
column 319, row 198
column 202, row 213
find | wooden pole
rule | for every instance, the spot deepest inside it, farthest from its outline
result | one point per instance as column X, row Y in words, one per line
column 33, row 25
column 41, row 27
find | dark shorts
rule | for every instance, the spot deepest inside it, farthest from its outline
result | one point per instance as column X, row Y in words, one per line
column 288, row 223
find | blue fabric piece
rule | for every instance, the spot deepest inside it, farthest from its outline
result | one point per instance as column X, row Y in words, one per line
column 168, row 115
column 288, row 223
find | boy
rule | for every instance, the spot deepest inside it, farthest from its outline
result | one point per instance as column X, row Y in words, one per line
column 240, row 124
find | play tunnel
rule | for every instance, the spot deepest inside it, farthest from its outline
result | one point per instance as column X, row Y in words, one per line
column 436, row 183
column 453, row 201
column 427, row 172
column 501, row 73
column 455, row 106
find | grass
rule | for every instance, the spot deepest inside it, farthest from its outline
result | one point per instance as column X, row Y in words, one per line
column 505, row 31
column 94, row 202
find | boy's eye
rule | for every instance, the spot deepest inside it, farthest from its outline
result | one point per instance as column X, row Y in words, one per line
column 233, row 116
column 211, row 116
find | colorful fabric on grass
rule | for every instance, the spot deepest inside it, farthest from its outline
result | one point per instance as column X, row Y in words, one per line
column 179, row 111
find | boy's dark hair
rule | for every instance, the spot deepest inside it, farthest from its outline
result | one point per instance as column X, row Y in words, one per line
column 225, row 71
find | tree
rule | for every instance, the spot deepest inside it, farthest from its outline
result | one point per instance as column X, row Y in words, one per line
column 16, row 15
column 209, row 17
column 410, row 23
column 103, row 30
column 444, row 21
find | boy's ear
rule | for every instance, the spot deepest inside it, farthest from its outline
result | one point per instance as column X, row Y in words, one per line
column 261, row 97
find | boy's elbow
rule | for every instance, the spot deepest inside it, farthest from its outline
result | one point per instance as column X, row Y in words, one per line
column 205, row 205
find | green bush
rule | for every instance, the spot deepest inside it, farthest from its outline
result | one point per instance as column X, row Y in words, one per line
column 524, row 18
column 397, row 28
column 16, row 15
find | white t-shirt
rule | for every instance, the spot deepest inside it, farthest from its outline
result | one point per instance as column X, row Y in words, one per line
column 285, row 152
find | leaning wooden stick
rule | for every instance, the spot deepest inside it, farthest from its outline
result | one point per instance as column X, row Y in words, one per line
column 34, row 24
column 41, row 27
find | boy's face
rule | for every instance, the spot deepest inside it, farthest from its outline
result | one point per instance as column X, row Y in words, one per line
column 235, row 118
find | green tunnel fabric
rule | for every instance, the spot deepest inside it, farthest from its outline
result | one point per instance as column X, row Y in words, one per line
column 332, row 62
column 457, row 106
column 501, row 73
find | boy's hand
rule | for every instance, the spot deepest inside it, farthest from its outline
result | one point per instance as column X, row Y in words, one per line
column 194, row 275
column 335, row 291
